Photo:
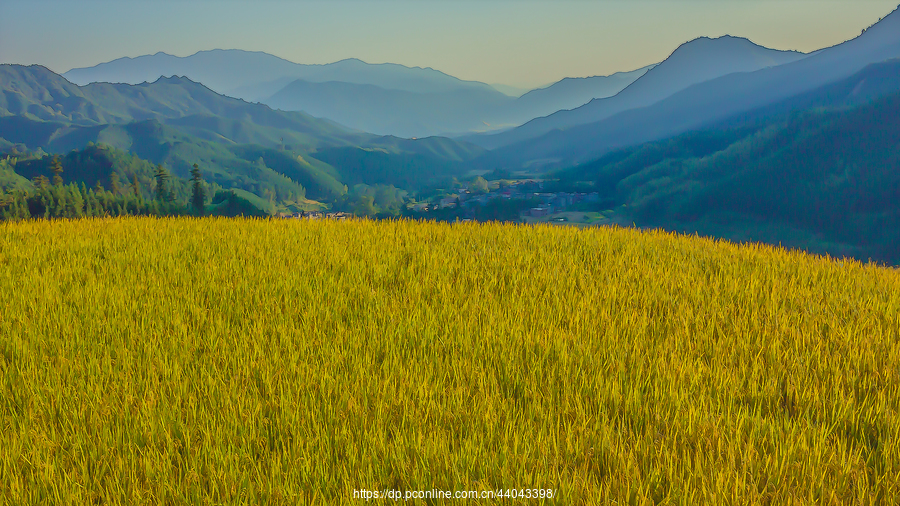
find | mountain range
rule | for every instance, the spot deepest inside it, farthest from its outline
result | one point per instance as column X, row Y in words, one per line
column 701, row 81
column 694, row 62
column 387, row 99
column 236, row 73
column 574, row 137
column 177, row 122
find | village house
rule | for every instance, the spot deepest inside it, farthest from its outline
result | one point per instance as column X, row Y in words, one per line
column 479, row 200
column 447, row 202
column 545, row 198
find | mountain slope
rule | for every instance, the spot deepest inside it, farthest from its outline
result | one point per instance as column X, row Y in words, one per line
column 572, row 92
column 708, row 102
column 825, row 177
column 225, row 165
column 38, row 93
column 693, row 62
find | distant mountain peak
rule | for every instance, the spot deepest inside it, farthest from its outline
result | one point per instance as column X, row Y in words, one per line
column 723, row 42
column 701, row 59
column 174, row 80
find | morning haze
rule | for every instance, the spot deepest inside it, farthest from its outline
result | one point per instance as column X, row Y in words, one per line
column 518, row 43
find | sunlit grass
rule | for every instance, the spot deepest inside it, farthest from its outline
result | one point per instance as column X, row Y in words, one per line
column 284, row 362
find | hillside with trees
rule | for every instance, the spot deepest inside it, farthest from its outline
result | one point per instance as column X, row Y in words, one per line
column 103, row 181
column 825, row 178
column 290, row 160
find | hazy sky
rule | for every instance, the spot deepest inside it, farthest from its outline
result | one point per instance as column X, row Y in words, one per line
column 517, row 42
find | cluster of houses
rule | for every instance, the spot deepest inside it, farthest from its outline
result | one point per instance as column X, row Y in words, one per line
column 551, row 202
column 313, row 215
column 466, row 199
column 560, row 201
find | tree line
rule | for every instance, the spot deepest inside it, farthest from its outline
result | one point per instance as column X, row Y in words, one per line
column 52, row 198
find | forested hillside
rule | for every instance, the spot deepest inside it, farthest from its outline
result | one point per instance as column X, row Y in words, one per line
column 103, row 181
column 273, row 156
column 826, row 178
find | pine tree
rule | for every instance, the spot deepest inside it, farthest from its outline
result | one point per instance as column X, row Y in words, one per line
column 114, row 183
column 22, row 212
column 75, row 202
column 7, row 205
column 198, row 195
column 57, row 169
column 96, row 204
column 41, row 182
column 46, row 205
column 88, row 207
column 162, row 184
column 58, row 205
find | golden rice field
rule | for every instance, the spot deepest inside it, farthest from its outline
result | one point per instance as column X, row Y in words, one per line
column 217, row 361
